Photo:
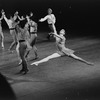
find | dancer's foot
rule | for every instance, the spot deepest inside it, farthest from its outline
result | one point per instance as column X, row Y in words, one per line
column 89, row 63
column 2, row 45
column 36, row 57
column 10, row 51
column 25, row 72
column 20, row 62
column 34, row 63
column 3, row 48
column 21, row 71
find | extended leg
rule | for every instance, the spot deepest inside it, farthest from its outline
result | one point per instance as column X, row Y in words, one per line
column 35, row 51
column 80, row 59
column 14, row 36
column 55, row 55
column 17, row 50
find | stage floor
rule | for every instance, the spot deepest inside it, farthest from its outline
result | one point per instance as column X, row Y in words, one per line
column 62, row 78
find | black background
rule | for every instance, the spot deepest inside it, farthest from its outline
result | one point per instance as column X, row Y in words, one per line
column 73, row 15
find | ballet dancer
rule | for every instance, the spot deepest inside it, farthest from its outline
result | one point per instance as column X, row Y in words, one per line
column 11, row 24
column 51, row 20
column 17, row 16
column 62, row 50
column 33, row 35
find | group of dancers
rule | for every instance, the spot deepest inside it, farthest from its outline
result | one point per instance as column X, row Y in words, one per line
column 25, row 38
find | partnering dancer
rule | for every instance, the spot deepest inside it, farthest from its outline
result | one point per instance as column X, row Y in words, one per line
column 51, row 19
column 1, row 33
column 33, row 35
column 17, row 17
column 12, row 27
column 22, row 46
column 62, row 50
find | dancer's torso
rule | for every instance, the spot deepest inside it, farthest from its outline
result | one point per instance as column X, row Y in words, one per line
column 51, row 19
column 60, row 43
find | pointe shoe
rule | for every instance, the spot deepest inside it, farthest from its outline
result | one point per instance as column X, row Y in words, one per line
column 34, row 64
column 89, row 63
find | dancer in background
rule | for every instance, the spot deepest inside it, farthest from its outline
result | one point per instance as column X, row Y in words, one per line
column 62, row 50
column 12, row 27
column 51, row 19
column 33, row 35
column 1, row 32
column 17, row 17
column 11, row 24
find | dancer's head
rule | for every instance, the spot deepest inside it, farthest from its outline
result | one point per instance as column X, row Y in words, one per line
column 62, row 32
column 15, row 15
column 11, row 18
column 28, row 18
column 49, row 11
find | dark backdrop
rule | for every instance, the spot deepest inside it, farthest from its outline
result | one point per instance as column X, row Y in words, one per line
column 73, row 15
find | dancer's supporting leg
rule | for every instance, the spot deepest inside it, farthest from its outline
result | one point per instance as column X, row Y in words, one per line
column 2, row 39
column 32, row 44
column 14, row 36
column 35, row 52
column 22, row 50
column 54, row 55
column 17, row 50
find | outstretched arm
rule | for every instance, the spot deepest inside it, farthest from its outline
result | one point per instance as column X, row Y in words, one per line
column 21, row 18
column 4, row 16
column 1, row 18
column 43, row 19
column 55, row 32
column 56, row 35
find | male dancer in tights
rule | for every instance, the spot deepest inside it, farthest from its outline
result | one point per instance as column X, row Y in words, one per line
column 51, row 20
column 33, row 35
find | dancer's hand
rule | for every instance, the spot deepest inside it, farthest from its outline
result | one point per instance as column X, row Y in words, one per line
column 39, row 20
column 22, row 17
column 51, row 33
column 31, row 14
column 16, row 12
column 3, row 13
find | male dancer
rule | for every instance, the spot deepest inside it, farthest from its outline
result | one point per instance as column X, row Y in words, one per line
column 33, row 35
column 1, row 33
column 12, row 27
column 51, row 19
column 16, row 16
column 11, row 24
column 21, row 48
